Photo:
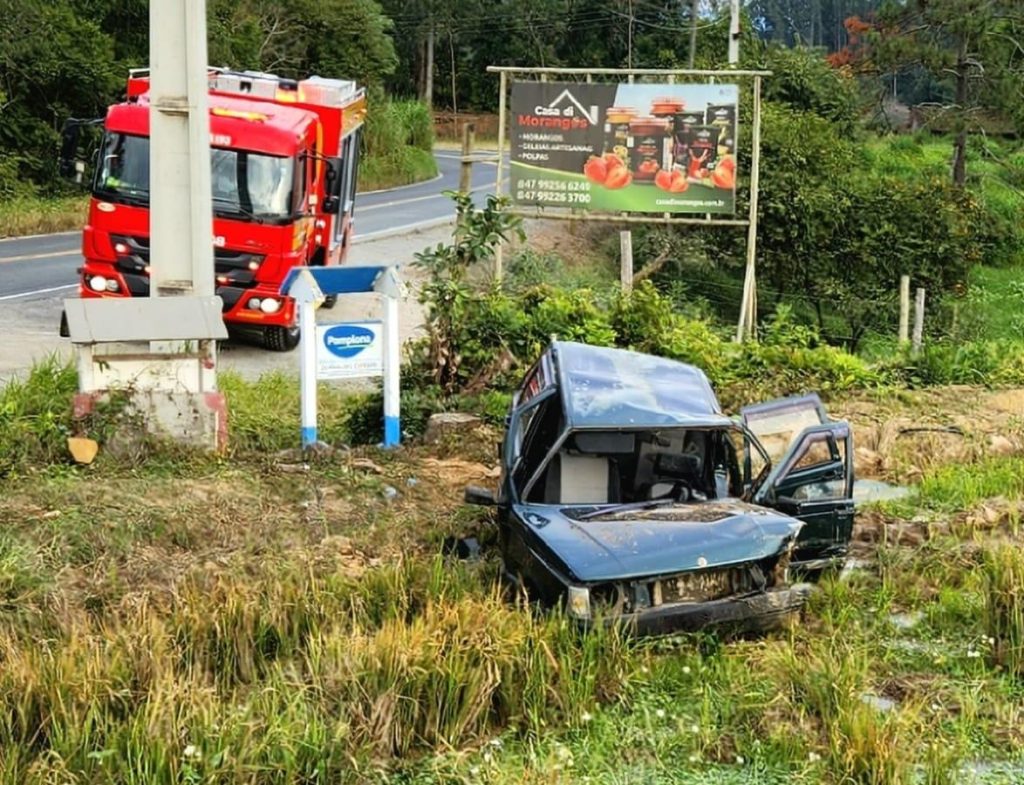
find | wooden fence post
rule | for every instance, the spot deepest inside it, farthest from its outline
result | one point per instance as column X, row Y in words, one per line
column 904, row 309
column 466, row 169
column 918, row 320
column 626, row 253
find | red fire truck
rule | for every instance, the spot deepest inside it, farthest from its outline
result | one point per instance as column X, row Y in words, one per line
column 283, row 156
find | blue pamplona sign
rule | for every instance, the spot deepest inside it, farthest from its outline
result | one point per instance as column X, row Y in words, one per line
column 347, row 340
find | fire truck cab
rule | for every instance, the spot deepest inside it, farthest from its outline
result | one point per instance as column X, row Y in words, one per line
column 283, row 158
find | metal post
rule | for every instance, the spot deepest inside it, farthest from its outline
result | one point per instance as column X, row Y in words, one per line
column 307, row 372
column 748, row 313
column 181, row 238
column 503, row 88
column 904, row 309
column 392, row 373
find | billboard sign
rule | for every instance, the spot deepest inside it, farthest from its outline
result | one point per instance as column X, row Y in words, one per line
column 638, row 148
column 349, row 350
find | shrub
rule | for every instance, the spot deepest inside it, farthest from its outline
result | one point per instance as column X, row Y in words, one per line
column 397, row 144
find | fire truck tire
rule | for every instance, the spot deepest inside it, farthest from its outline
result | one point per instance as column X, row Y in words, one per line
column 330, row 301
column 281, row 339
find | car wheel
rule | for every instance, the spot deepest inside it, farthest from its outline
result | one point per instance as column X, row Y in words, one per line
column 281, row 339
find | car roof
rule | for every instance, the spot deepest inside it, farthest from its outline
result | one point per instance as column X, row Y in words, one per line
column 618, row 388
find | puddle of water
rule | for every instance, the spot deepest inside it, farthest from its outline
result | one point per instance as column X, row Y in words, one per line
column 853, row 564
column 878, row 702
column 906, row 621
column 868, row 491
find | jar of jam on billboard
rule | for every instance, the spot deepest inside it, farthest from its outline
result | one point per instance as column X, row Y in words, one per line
column 647, row 138
column 668, row 109
column 682, row 125
column 724, row 118
column 616, row 131
column 701, row 152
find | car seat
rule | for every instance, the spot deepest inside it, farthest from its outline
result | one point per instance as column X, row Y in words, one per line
column 576, row 478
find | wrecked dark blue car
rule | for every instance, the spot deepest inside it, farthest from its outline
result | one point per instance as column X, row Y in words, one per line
column 627, row 494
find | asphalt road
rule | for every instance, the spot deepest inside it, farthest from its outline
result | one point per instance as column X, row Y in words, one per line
column 45, row 266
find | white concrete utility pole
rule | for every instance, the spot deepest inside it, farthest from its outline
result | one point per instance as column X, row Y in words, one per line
column 181, row 239
column 162, row 349
column 734, row 32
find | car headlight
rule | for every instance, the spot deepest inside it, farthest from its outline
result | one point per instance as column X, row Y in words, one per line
column 579, row 602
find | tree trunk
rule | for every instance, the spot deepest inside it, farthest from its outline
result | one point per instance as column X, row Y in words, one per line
column 428, row 76
column 960, row 144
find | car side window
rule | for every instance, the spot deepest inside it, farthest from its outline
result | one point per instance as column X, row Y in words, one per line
column 815, row 453
column 538, row 437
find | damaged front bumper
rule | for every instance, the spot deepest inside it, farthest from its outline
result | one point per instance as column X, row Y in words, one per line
column 758, row 612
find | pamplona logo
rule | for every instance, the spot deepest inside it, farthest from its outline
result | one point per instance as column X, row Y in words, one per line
column 347, row 340
column 565, row 113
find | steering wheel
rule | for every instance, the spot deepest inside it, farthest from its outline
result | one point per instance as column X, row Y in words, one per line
column 681, row 491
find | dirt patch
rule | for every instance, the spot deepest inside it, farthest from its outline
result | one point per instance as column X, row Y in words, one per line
column 900, row 435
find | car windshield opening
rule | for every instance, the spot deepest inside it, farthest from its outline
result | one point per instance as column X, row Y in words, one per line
column 243, row 183
column 613, row 468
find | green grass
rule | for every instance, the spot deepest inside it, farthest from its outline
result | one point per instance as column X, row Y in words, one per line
column 205, row 619
column 961, row 487
column 39, row 215
column 994, row 305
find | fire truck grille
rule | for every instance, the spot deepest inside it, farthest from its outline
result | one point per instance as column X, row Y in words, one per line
column 238, row 268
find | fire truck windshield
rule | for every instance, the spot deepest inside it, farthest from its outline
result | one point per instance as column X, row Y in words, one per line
column 245, row 184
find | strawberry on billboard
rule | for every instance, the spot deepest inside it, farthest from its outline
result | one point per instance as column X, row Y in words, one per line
column 639, row 148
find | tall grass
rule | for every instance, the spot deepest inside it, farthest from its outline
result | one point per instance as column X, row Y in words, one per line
column 831, row 677
column 397, row 145
column 1003, row 570
column 288, row 677
column 24, row 215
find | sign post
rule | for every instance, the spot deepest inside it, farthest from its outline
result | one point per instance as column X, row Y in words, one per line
column 347, row 350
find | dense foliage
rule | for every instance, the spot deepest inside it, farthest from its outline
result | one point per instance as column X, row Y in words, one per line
column 70, row 58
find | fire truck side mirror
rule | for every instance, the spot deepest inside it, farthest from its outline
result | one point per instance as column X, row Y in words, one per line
column 330, row 204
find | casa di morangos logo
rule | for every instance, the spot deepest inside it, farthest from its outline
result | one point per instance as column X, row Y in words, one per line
column 567, row 105
column 348, row 340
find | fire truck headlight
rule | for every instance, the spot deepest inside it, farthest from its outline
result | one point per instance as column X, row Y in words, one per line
column 270, row 305
column 98, row 283
column 112, row 286
column 120, row 248
column 254, row 303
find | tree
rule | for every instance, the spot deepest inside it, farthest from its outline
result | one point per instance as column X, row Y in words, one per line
column 335, row 38
column 973, row 49
column 53, row 64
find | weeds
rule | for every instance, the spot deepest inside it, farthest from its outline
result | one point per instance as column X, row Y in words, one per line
column 1003, row 570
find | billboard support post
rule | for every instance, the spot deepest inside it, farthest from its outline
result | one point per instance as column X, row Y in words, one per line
column 503, row 88
column 748, row 306
column 578, row 200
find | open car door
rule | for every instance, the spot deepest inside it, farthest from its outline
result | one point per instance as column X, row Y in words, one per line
column 811, row 477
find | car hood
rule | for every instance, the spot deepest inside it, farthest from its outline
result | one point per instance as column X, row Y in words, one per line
column 658, row 541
